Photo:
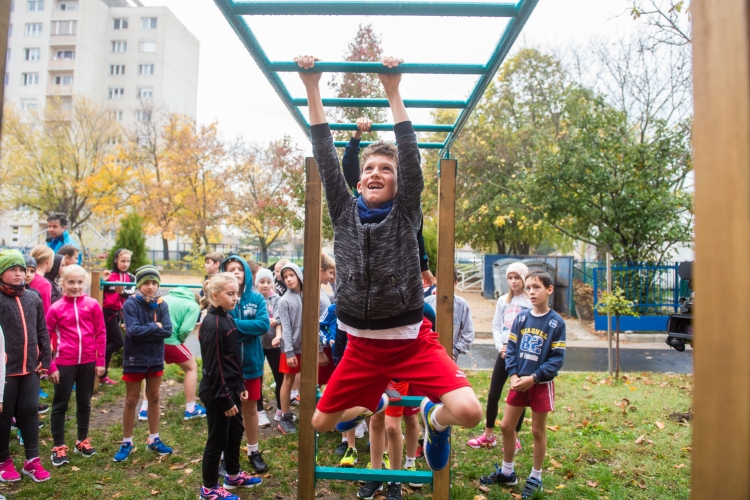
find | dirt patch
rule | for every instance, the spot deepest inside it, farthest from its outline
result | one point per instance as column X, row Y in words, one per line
column 482, row 312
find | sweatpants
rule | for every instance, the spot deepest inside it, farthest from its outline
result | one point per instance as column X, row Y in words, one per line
column 273, row 356
column 224, row 436
column 499, row 377
column 21, row 398
column 115, row 340
column 83, row 377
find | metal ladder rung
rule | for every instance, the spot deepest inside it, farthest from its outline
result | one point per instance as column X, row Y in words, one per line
column 402, row 476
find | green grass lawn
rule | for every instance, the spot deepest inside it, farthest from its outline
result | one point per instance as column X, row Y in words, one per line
column 606, row 440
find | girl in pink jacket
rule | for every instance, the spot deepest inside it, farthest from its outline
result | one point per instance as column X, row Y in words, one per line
column 77, row 322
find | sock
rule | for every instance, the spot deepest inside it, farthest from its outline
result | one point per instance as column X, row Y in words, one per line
column 151, row 437
column 294, row 394
column 507, row 468
column 251, row 448
column 344, row 440
column 536, row 474
column 233, row 477
column 144, row 405
column 127, row 440
column 434, row 422
column 409, row 462
column 190, row 407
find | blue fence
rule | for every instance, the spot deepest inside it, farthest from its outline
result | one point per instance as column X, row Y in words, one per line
column 656, row 290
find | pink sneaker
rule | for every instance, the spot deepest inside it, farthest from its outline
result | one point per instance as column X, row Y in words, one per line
column 518, row 447
column 33, row 468
column 8, row 472
column 482, row 442
column 107, row 381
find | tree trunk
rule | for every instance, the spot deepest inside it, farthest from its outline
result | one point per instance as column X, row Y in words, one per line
column 165, row 247
column 617, row 347
column 263, row 250
column 500, row 246
column 205, row 242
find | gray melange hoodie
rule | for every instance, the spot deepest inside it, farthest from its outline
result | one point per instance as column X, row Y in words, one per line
column 289, row 315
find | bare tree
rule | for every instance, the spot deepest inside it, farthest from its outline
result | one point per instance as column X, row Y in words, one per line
column 669, row 20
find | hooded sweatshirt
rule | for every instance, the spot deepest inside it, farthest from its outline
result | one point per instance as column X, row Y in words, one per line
column 183, row 312
column 78, row 325
column 463, row 325
column 289, row 316
column 251, row 317
column 144, row 339
column 26, row 338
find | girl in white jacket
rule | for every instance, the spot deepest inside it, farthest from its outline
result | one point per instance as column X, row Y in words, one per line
column 508, row 307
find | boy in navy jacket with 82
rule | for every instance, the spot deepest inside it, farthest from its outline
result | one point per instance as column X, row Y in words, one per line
column 535, row 353
column 147, row 324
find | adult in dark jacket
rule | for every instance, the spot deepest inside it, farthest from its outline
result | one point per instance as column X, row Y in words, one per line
column 27, row 349
column 147, row 324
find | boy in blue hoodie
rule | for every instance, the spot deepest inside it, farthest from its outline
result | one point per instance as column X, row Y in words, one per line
column 251, row 318
column 535, row 353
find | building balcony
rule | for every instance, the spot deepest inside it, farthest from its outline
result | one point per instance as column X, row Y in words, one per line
column 61, row 15
column 59, row 90
column 62, row 64
column 55, row 40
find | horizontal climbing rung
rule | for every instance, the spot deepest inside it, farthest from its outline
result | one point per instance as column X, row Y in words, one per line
column 373, row 8
column 387, row 127
column 361, row 102
column 402, row 476
column 422, row 145
column 377, row 67
column 404, row 401
column 162, row 285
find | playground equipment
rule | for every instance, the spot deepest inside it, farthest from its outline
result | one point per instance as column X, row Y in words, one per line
column 517, row 14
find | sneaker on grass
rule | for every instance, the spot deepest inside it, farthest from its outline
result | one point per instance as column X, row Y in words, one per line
column 107, row 381
column 142, row 414
column 369, row 490
column 256, row 461
column 8, row 472
column 359, row 432
column 124, row 452
column 393, row 492
column 286, row 425
column 159, row 447
column 413, row 468
column 198, row 412
column 216, row 493
column 244, row 480
column 43, row 409
column 349, row 458
column 341, row 450
column 532, row 486
column 84, row 448
column 33, row 468
column 498, row 477
column 437, row 444
column 353, row 423
column 263, row 421
column 59, row 455
column 482, row 442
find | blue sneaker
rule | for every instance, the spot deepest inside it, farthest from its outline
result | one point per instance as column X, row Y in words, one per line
column 532, row 486
column 353, row 423
column 216, row 493
column 42, row 394
column 199, row 412
column 437, row 444
column 243, row 481
column 498, row 477
column 124, row 452
column 159, row 447
column 143, row 415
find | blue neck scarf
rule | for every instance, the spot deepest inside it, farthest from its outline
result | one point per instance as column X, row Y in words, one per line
column 369, row 215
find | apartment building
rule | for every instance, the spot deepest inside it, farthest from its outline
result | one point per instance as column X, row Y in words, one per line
column 118, row 53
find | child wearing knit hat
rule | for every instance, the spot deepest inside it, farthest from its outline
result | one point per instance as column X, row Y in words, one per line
column 147, row 324
column 508, row 307
column 27, row 356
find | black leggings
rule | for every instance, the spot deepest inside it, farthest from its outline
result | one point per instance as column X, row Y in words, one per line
column 273, row 356
column 21, row 398
column 115, row 340
column 83, row 378
column 224, row 435
column 499, row 376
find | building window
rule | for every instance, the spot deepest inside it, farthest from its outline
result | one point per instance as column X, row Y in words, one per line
column 143, row 115
column 64, row 27
column 32, row 54
column 147, row 46
column 30, row 79
column 34, row 29
column 28, row 104
column 7, row 55
column 116, row 92
column 64, row 80
column 148, row 23
column 7, row 79
column 145, row 69
column 116, row 69
column 69, row 6
column 145, row 92
column 65, row 54
column 120, row 23
column 114, row 140
column 10, row 29
column 12, row 6
column 35, row 5
column 119, row 46
column 116, row 115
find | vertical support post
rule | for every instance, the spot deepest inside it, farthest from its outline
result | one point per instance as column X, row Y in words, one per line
column 446, row 243
column 609, row 316
column 310, row 318
column 4, row 23
column 96, row 288
column 721, row 131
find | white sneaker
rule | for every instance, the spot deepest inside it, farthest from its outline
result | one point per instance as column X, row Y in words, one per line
column 279, row 415
column 359, row 432
column 263, row 421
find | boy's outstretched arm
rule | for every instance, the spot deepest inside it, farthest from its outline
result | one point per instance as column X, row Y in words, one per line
column 311, row 81
column 391, row 82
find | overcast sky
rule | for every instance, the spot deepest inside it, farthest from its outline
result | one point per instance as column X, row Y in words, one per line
column 232, row 90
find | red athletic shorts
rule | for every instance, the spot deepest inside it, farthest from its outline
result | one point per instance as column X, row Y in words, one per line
column 140, row 376
column 176, row 354
column 324, row 372
column 369, row 364
column 398, row 411
column 252, row 386
column 540, row 397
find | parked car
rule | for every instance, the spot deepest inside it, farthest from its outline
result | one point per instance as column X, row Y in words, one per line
column 680, row 324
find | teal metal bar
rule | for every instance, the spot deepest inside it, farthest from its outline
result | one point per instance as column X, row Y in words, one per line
column 387, row 127
column 377, row 67
column 422, row 145
column 370, row 8
column 358, row 102
column 402, row 476
column 407, row 401
column 162, row 285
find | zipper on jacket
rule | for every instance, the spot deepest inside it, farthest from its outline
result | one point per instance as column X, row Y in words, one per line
column 78, row 328
column 400, row 293
column 367, row 275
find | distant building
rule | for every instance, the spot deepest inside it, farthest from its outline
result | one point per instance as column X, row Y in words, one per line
column 17, row 227
column 117, row 53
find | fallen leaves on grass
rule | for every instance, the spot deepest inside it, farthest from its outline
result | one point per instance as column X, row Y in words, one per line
column 641, row 484
column 104, row 411
column 188, row 471
column 624, row 403
column 592, row 484
column 553, row 428
column 483, row 488
column 75, row 469
column 177, row 466
column 586, row 388
column 555, row 464
column 679, row 466
column 153, row 476
column 660, row 425
column 196, row 460
column 559, row 486
column 155, row 492
column 640, row 439
column 480, row 497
